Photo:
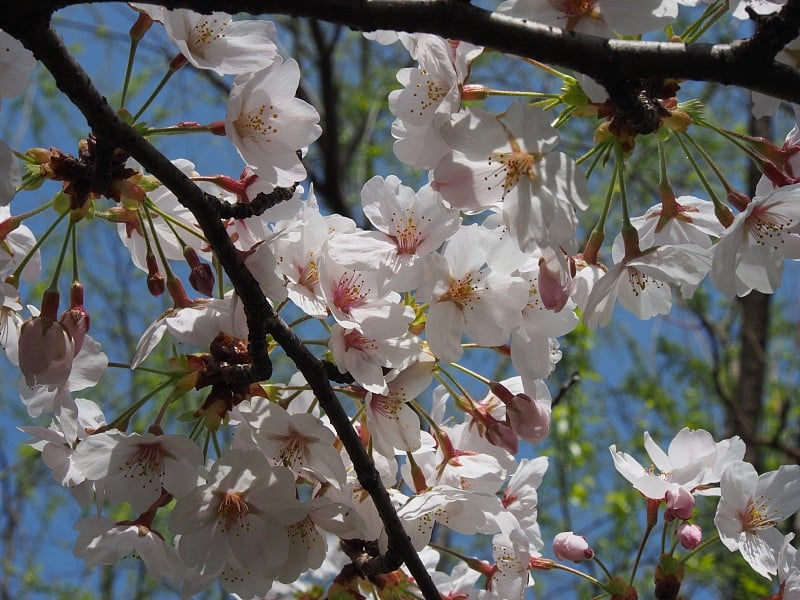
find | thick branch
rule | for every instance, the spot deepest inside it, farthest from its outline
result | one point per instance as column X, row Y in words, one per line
column 71, row 79
column 742, row 63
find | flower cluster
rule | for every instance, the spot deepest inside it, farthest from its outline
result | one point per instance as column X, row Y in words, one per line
column 484, row 258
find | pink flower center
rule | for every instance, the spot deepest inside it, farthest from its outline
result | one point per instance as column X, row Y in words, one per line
column 349, row 292
column 205, row 33
column 510, row 168
column 759, row 514
column 233, row 510
column 407, row 234
column 768, row 228
column 257, row 123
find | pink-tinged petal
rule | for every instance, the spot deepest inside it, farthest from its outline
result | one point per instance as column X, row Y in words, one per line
column 443, row 330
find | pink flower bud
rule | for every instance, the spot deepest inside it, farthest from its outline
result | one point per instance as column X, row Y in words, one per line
column 76, row 319
column 501, row 435
column 201, row 276
column 568, row 546
column 529, row 419
column 554, row 281
column 690, row 535
column 680, row 503
column 45, row 352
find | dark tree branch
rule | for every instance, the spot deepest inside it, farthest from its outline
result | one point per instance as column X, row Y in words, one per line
column 37, row 35
column 743, row 63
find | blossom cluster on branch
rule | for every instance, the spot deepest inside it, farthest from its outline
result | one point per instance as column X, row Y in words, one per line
column 483, row 254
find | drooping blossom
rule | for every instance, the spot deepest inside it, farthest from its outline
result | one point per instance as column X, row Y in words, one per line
column 136, row 467
column 750, row 253
column 103, row 542
column 750, row 507
column 218, row 43
column 693, row 461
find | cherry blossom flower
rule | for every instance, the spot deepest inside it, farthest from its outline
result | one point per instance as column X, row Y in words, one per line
column 238, row 517
column 218, row 43
column 431, row 94
column 103, row 542
column 268, row 125
column 749, row 508
column 88, row 368
column 135, row 467
column 750, row 253
column 789, row 569
column 16, row 64
column 642, row 283
column 360, row 300
column 467, row 512
column 297, row 254
column 409, row 227
column 511, row 164
column 595, row 17
column 364, row 358
column 693, row 461
column 521, row 499
column 299, row 442
column 739, row 8
column 467, row 295
column 58, row 450
column 393, row 424
column 690, row 221
column 512, row 559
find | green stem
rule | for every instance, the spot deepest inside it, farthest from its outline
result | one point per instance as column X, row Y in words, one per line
column 703, row 546
column 14, row 277
column 586, row 576
column 128, row 71
column 177, row 130
column 128, row 413
column 620, row 158
column 54, row 282
column 602, row 566
column 467, row 371
column 168, row 218
column 75, row 255
column 161, row 255
column 646, row 535
column 707, row 157
column 152, row 97
column 709, row 190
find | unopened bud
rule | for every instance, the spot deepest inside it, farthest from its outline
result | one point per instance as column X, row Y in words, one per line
column 680, row 503
column 529, row 419
column 568, row 546
column 155, row 280
column 76, row 319
column 201, row 276
column 38, row 156
column 474, row 91
column 690, row 535
column 501, row 435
